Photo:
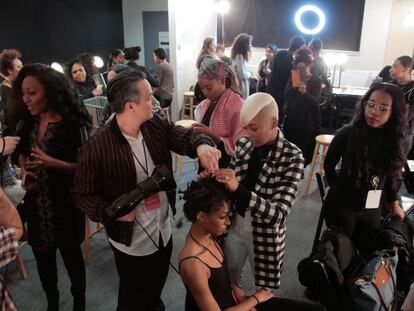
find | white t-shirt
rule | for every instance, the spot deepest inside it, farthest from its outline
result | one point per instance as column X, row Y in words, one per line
column 156, row 221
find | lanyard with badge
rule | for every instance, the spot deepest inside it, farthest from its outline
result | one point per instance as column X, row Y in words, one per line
column 153, row 202
column 374, row 196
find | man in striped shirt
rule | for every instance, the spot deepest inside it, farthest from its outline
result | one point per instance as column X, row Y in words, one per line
column 113, row 162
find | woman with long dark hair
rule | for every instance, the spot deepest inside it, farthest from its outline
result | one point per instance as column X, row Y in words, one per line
column 240, row 52
column 372, row 154
column 264, row 70
column 54, row 128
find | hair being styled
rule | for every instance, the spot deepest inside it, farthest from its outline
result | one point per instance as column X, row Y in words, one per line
column 61, row 96
column 295, row 43
column 123, row 88
column 316, row 45
column 241, row 45
column 303, row 55
column 205, row 52
column 160, row 53
column 406, row 61
column 7, row 57
column 112, row 55
column 204, row 195
column 358, row 162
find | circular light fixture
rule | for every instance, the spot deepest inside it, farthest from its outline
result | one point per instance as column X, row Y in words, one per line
column 317, row 11
column 57, row 66
column 223, row 7
column 98, row 61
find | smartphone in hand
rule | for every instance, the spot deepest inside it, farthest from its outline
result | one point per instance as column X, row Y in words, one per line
column 298, row 77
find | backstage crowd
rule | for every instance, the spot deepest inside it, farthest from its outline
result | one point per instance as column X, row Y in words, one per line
column 253, row 142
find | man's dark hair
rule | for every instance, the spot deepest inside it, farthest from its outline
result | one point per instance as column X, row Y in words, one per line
column 123, row 88
column 296, row 43
column 161, row 53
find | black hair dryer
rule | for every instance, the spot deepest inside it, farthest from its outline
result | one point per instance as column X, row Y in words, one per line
column 161, row 180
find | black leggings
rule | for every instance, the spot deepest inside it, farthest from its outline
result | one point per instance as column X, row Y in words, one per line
column 47, row 268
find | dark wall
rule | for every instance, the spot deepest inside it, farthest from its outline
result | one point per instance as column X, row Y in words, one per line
column 57, row 30
column 272, row 21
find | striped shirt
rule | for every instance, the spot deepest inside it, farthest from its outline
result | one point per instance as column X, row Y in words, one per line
column 106, row 168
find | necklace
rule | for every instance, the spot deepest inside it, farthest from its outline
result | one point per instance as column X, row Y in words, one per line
column 206, row 248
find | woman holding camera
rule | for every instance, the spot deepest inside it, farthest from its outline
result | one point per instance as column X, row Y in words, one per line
column 53, row 129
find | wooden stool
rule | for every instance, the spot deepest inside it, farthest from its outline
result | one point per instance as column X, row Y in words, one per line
column 188, row 96
column 20, row 262
column 324, row 141
column 166, row 112
column 88, row 235
column 178, row 158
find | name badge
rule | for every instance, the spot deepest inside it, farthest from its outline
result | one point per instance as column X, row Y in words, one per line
column 153, row 202
column 373, row 199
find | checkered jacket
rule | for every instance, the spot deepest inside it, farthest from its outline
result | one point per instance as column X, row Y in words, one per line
column 270, row 203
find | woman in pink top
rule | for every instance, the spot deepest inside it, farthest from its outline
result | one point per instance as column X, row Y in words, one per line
column 218, row 116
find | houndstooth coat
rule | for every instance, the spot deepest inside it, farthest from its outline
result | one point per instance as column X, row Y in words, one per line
column 270, row 203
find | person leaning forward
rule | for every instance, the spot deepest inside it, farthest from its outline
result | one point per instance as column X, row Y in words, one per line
column 112, row 163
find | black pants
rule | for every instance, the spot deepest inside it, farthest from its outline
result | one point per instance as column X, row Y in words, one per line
column 141, row 279
column 360, row 225
column 47, row 268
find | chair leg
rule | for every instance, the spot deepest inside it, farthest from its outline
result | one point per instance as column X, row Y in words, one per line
column 191, row 109
column 312, row 168
column 324, row 150
column 179, row 164
column 20, row 266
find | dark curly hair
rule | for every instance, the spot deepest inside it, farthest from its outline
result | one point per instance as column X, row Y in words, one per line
column 241, row 45
column 303, row 55
column 204, row 195
column 358, row 163
column 61, row 96
column 6, row 60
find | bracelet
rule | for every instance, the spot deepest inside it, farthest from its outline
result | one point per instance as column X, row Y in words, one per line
column 254, row 296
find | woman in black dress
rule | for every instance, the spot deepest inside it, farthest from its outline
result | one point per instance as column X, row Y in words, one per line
column 54, row 128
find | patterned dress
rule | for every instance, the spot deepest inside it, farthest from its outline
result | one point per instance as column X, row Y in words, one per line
column 52, row 219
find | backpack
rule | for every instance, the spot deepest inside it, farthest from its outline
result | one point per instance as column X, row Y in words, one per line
column 374, row 288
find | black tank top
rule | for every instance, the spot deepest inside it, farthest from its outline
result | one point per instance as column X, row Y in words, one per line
column 219, row 284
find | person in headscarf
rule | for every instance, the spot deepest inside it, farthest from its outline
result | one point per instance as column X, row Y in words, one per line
column 218, row 116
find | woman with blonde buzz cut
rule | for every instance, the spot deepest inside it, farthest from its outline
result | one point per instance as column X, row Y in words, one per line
column 263, row 176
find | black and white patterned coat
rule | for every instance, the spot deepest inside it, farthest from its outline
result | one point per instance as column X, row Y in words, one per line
column 270, row 203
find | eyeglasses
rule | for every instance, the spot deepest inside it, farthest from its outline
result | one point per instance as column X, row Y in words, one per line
column 381, row 108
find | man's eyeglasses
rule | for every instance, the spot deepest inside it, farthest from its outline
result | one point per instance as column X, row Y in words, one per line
column 371, row 106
